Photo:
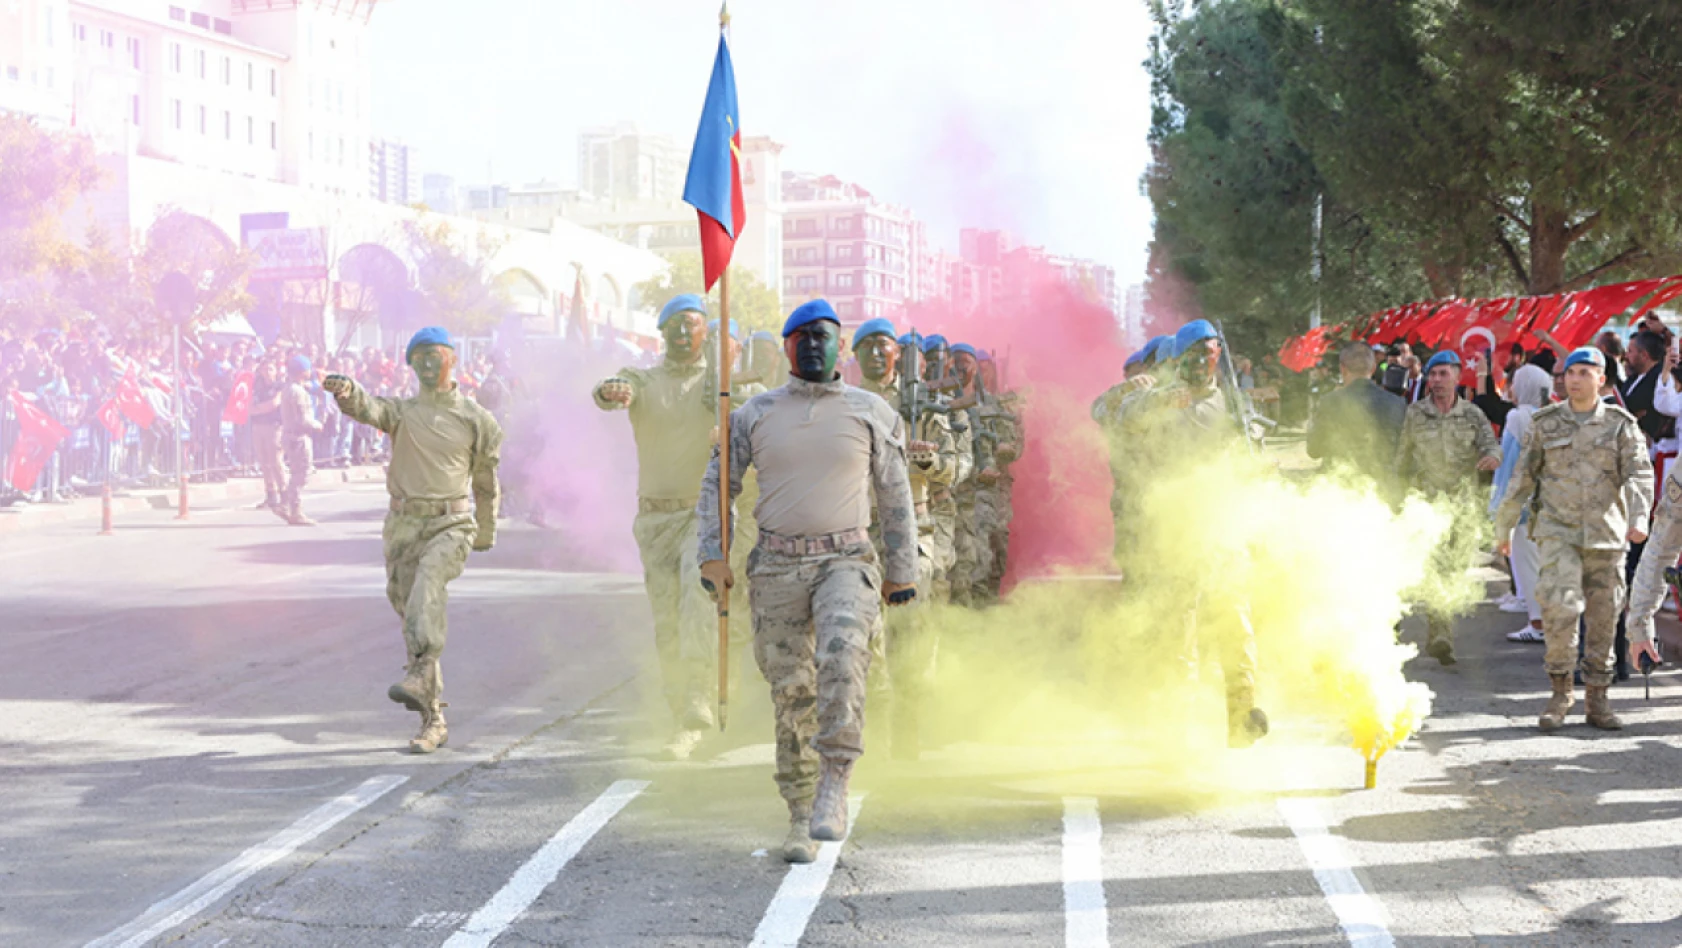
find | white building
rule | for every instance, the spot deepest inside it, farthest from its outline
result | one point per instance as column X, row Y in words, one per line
column 394, row 174
column 620, row 162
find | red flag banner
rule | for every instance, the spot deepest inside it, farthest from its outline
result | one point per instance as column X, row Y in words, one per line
column 237, row 411
column 38, row 436
column 1301, row 353
column 133, row 402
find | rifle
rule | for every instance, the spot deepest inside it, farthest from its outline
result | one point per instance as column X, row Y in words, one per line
column 1242, row 411
column 915, row 397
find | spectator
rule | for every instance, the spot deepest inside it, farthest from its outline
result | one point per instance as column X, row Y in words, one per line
column 1532, row 389
column 1358, row 423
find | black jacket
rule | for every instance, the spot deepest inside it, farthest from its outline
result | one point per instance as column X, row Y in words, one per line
column 1359, row 424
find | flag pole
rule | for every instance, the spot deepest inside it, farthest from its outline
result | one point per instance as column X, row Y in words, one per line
column 724, row 492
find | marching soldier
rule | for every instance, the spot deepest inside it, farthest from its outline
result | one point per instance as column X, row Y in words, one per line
column 1446, row 441
column 1585, row 474
column 821, row 449
column 1001, row 418
column 673, row 420
column 297, row 425
column 1141, row 369
column 973, row 494
column 443, row 447
column 943, row 504
column 912, row 641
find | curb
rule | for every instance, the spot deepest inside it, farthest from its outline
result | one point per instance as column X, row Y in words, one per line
column 17, row 519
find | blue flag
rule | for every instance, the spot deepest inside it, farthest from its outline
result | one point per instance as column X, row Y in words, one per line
column 714, row 185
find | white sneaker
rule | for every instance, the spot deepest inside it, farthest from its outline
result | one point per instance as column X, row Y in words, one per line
column 1527, row 634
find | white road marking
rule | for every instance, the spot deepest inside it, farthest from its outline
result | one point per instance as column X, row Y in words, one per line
column 170, row 912
column 797, row 898
column 529, row 881
column 1361, row 915
column 1086, row 920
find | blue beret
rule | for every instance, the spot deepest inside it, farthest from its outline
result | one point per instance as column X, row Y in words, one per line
column 686, row 303
column 430, row 336
column 964, row 347
column 1135, row 358
column 810, row 311
column 985, row 355
column 1157, row 349
column 933, row 342
column 912, row 338
column 735, row 330
column 1587, row 355
column 873, row 327
column 1445, row 357
column 298, row 363
column 1191, row 334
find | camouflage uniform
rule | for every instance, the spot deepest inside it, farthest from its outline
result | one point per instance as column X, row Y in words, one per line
column 821, row 449
column 1438, row 455
column 297, row 424
column 943, row 508
column 443, row 445
column 673, row 420
column 1664, row 545
column 1006, row 429
column 1589, row 483
column 911, row 645
column 971, row 547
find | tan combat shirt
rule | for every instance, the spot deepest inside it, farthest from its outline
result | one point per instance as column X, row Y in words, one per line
column 1439, row 451
column 297, row 415
column 672, row 419
column 1590, row 482
column 443, row 444
column 935, row 429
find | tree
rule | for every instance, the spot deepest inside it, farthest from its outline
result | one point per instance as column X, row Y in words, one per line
column 753, row 305
column 454, row 279
column 41, row 173
column 218, row 268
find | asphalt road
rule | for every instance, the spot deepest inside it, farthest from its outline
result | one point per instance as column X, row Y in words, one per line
column 196, row 748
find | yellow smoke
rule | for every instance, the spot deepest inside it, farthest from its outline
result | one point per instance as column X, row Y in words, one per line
column 1083, row 681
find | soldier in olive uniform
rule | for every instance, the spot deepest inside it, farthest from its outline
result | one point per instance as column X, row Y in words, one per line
column 1000, row 416
column 823, row 450
column 297, row 425
column 913, row 643
column 943, row 503
column 443, row 447
column 1445, row 442
column 1584, row 471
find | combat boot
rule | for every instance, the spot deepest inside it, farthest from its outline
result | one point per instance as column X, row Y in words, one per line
column 278, row 508
column 1564, row 696
column 269, row 502
column 829, row 809
column 296, row 518
column 1245, row 726
column 416, row 691
column 1600, row 709
column 433, row 732
column 798, row 845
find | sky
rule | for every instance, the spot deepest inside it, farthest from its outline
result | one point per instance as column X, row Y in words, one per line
column 988, row 113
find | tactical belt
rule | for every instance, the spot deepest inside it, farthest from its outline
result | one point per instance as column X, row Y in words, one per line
column 653, row 505
column 810, row 546
column 411, row 507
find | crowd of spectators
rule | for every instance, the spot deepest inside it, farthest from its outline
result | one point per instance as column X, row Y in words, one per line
column 71, row 376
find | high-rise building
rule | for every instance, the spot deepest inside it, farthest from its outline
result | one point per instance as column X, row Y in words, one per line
column 842, row 243
column 276, row 91
column 438, row 192
column 620, row 162
column 393, row 172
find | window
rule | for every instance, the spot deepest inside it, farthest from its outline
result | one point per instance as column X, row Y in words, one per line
column 274, row 82
column 134, row 52
column 843, row 225
column 341, row 100
column 202, row 60
column 807, row 283
column 175, row 56
column 250, row 130
column 204, row 121
column 274, row 135
column 177, row 108
column 251, row 77
column 177, row 14
column 788, row 284
column 843, row 281
column 12, row 73
column 134, row 105
column 201, row 20
column 227, row 125
column 312, row 145
column 50, row 19
column 341, row 152
column 844, row 308
column 227, row 71
column 223, row 27
column 844, row 252
column 107, row 39
column 310, row 98
column 49, row 77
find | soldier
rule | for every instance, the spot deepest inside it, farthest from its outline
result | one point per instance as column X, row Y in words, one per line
column 1186, row 418
column 1000, row 416
column 912, row 642
column 1141, row 369
column 265, row 430
column 673, row 418
column 943, row 504
column 443, row 445
column 1585, row 475
column 821, row 447
column 297, row 424
column 1446, row 441
column 973, row 494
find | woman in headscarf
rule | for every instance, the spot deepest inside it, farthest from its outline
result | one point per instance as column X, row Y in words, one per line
column 1532, row 387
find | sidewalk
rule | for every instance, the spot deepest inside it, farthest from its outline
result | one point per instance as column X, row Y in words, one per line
column 27, row 516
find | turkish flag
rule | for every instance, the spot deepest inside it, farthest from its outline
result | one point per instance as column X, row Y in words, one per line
column 110, row 415
column 133, row 402
column 38, row 436
column 238, row 409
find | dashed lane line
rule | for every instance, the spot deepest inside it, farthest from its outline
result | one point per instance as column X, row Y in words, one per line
column 1086, row 921
column 195, row 898
column 1361, row 916
column 543, row 867
column 791, row 908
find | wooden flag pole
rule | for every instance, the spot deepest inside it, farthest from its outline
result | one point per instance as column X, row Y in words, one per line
column 724, row 493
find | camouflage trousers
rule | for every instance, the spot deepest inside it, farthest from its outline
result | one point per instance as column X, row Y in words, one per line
column 813, row 619
column 297, row 453
column 998, row 536
column 1577, row 582
column 422, row 555
column 973, row 547
column 1226, row 629
column 265, row 440
column 945, row 516
column 685, row 636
